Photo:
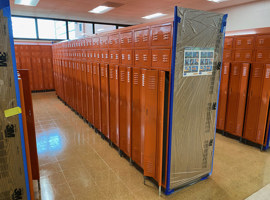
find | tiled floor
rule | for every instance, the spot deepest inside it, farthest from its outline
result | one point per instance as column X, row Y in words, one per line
column 76, row 163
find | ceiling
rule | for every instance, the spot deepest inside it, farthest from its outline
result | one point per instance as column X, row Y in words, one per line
column 129, row 13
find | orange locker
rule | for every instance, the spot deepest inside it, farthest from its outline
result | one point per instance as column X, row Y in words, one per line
column 114, row 56
column 35, row 74
column 137, row 129
column 223, row 94
column 105, row 106
column 125, row 109
column 142, row 58
column 263, row 41
column 243, row 55
column 104, row 42
column 127, row 57
column 91, row 108
column 114, row 41
column 257, row 104
column 228, row 43
column 74, row 84
column 104, row 56
column 95, row 42
column 237, row 94
column 161, row 58
column 126, row 39
column 84, row 89
column 150, row 137
column 244, row 42
column 114, row 104
column 161, row 128
column 141, row 38
column 227, row 56
column 97, row 103
column 31, row 132
column 161, row 35
column 262, row 55
column 78, row 87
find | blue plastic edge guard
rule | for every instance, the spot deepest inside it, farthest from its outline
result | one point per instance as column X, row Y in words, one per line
column 4, row 4
column 267, row 142
column 223, row 28
column 175, row 26
column 224, row 23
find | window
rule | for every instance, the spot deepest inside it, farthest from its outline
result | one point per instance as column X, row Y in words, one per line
column 24, row 27
column 99, row 28
column 121, row 27
column 78, row 29
column 52, row 29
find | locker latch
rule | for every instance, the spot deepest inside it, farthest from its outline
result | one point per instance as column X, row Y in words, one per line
column 218, row 65
column 10, row 130
column 214, row 106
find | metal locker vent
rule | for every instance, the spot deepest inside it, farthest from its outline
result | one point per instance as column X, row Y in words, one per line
column 257, row 72
column 135, row 78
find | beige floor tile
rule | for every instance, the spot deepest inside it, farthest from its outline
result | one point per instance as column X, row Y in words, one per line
column 75, row 162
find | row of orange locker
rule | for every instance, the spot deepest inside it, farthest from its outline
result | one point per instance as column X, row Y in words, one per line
column 122, row 102
column 258, row 41
column 143, row 37
column 244, row 101
column 38, row 60
column 247, row 55
column 146, row 58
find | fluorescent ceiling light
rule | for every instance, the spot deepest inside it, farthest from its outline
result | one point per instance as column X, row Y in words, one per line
column 100, row 29
column 154, row 16
column 26, row 2
column 100, row 9
column 217, row 1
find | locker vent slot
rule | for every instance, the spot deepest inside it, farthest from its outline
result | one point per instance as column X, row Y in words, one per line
column 135, row 78
column 111, row 73
column 236, row 71
column 257, row 72
column 122, row 76
column 152, row 83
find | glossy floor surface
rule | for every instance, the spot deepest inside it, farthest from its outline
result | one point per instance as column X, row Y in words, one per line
column 76, row 163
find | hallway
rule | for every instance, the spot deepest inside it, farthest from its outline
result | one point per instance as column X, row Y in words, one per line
column 76, row 163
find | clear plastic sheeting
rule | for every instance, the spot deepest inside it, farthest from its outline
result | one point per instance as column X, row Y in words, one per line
column 196, row 84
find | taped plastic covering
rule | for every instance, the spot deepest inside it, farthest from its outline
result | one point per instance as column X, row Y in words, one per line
column 13, row 167
column 195, row 84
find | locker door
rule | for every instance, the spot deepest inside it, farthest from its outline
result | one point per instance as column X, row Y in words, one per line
column 125, row 109
column 105, row 109
column 29, row 67
column 90, row 93
column 257, row 104
column 114, row 104
column 150, row 137
column 141, row 38
column 263, row 41
column 223, row 92
column 136, row 117
column 84, row 90
column 35, row 74
column 74, row 83
column 45, row 73
column 228, row 42
column 78, row 87
column 50, row 73
column 160, row 125
column 97, row 106
column 40, row 74
column 161, row 35
column 237, row 98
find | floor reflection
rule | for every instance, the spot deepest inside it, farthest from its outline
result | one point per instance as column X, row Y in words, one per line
column 50, row 141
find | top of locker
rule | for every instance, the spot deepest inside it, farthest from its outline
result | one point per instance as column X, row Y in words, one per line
column 137, row 36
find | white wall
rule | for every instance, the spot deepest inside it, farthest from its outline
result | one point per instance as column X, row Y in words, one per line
column 247, row 16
